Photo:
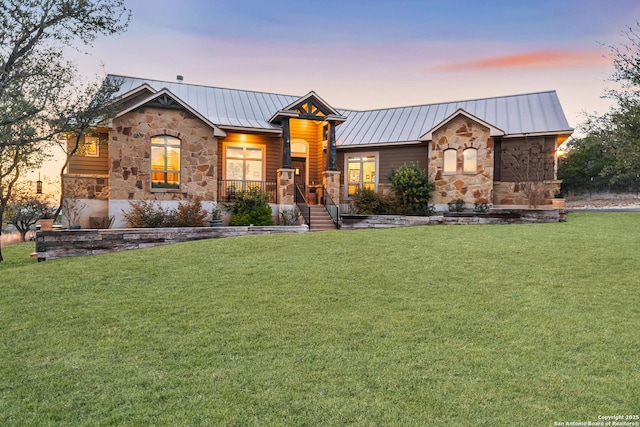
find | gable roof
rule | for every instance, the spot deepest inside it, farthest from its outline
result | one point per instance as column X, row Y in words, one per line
column 493, row 131
column 515, row 115
column 166, row 93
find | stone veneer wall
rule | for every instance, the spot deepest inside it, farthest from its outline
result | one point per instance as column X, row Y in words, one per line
column 500, row 216
column 68, row 243
column 130, row 155
column 461, row 133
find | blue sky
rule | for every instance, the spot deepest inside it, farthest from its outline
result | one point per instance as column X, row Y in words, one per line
column 372, row 54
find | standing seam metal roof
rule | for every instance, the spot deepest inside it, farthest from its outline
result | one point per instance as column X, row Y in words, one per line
column 539, row 112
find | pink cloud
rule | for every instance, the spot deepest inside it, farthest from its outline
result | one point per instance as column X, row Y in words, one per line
column 541, row 59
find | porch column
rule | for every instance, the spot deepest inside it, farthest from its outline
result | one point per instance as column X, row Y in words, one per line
column 286, row 186
column 333, row 166
column 286, row 143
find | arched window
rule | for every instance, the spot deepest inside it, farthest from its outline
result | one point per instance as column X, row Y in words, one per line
column 470, row 160
column 450, row 158
column 165, row 162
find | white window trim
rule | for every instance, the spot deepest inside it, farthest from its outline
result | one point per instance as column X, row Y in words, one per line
column 444, row 171
column 475, row 170
column 375, row 154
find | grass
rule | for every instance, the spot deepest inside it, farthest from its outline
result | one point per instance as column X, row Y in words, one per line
column 443, row 326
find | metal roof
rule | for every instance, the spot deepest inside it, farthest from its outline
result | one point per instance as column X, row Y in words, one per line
column 533, row 113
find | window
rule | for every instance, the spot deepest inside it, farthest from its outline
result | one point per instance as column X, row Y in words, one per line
column 450, row 158
column 361, row 173
column 165, row 162
column 470, row 160
column 244, row 163
column 89, row 147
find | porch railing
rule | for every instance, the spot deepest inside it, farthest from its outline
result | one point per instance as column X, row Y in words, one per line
column 302, row 204
column 229, row 188
column 331, row 207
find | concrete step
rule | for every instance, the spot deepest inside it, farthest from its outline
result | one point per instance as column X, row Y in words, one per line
column 320, row 219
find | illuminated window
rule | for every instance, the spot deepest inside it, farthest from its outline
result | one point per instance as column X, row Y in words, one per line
column 470, row 160
column 165, row 162
column 361, row 173
column 244, row 163
column 450, row 157
column 89, row 147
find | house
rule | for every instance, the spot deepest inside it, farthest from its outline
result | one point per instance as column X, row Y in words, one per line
column 171, row 141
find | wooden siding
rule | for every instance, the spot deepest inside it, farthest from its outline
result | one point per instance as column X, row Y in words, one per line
column 311, row 132
column 273, row 151
column 90, row 165
column 525, row 159
column 389, row 158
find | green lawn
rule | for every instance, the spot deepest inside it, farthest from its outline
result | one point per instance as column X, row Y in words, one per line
column 519, row 325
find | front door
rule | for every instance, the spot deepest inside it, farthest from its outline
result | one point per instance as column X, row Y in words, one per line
column 299, row 165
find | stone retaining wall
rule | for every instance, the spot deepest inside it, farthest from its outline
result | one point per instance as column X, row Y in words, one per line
column 502, row 216
column 67, row 243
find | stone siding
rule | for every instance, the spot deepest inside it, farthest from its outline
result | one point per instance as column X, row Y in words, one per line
column 130, row 155
column 458, row 134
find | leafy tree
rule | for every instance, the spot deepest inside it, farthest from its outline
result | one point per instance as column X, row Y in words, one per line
column 36, row 83
column 25, row 209
column 618, row 130
column 586, row 158
column 412, row 189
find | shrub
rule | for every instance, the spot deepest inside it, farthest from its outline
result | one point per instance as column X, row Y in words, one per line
column 149, row 214
column 412, row 189
column 145, row 214
column 368, row 202
column 250, row 207
column 191, row 214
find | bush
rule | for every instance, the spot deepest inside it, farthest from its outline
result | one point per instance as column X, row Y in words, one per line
column 191, row 214
column 145, row 214
column 250, row 207
column 149, row 214
column 412, row 189
column 368, row 202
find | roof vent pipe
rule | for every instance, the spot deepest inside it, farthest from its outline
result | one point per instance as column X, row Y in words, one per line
column 179, row 78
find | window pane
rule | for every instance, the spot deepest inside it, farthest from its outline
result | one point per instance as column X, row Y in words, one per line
column 235, row 169
column 354, row 173
column 369, row 171
column 470, row 160
column 353, row 189
column 172, row 141
column 254, row 170
column 236, row 152
column 157, row 140
column 450, row 161
column 173, row 159
column 253, row 153
column 157, row 158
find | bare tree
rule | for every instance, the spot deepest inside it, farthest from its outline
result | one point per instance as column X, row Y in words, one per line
column 35, row 80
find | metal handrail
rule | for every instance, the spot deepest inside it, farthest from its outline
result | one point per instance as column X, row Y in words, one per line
column 228, row 188
column 303, row 206
column 331, row 207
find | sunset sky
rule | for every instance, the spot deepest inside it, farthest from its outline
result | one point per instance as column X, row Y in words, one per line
column 370, row 54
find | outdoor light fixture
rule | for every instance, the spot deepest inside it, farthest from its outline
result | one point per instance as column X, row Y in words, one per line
column 39, row 185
